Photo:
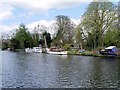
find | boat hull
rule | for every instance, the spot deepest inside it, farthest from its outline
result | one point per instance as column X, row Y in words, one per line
column 57, row 53
column 33, row 50
column 37, row 49
column 29, row 50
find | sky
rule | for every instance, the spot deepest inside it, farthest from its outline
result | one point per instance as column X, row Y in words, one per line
column 39, row 12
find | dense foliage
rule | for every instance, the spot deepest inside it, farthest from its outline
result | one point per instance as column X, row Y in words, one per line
column 45, row 36
column 99, row 21
column 22, row 39
column 65, row 30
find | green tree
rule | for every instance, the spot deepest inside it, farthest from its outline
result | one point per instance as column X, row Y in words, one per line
column 23, row 36
column 111, row 38
column 14, row 44
column 28, row 41
column 99, row 17
column 78, row 37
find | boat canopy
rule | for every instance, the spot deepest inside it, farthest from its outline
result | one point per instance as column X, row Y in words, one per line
column 112, row 48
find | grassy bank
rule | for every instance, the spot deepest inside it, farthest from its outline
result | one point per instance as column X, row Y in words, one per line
column 89, row 53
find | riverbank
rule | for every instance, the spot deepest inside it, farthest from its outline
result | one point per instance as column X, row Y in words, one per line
column 85, row 53
column 90, row 53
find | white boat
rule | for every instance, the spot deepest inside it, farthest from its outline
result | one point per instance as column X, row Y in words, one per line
column 8, row 49
column 37, row 49
column 33, row 50
column 29, row 50
column 56, row 52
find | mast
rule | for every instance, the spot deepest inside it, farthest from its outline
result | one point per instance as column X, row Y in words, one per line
column 45, row 44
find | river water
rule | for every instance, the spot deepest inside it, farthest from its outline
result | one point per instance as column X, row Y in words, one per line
column 37, row 70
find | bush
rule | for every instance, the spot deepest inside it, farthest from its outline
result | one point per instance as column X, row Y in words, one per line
column 67, row 47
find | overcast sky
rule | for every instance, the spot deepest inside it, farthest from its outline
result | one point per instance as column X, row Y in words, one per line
column 42, row 12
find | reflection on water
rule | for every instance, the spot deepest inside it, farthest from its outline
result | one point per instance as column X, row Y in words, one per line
column 37, row 70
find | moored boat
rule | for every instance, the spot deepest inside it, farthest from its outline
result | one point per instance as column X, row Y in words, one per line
column 109, row 51
column 33, row 50
column 29, row 50
column 37, row 49
column 56, row 51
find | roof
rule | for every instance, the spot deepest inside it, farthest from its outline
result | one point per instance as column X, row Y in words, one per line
column 110, row 47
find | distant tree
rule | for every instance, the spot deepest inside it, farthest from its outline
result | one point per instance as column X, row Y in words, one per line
column 65, row 29
column 14, row 44
column 48, row 38
column 23, row 36
column 41, row 42
column 36, row 37
column 5, row 44
column 28, row 41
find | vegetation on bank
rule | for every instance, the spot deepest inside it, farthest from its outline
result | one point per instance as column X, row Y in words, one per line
column 23, row 39
column 89, row 53
column 98, row 28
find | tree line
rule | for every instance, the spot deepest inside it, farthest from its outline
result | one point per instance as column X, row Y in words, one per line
column 99, row 27
column 24, row 39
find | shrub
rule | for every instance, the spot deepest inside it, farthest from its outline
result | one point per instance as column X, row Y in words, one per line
column 66, row 47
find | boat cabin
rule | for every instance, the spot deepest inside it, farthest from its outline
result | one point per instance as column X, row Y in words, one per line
column 111, row 50
column 55, row 49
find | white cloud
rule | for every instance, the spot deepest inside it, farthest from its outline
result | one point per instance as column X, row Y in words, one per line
column 5, row 15
column 4, row 29
column 48, row 24
column 35, row 5
column 7, row 7
column 46, row 4
column 5, row 12
column 41, row 22
column 41, row 4
column 76, row 21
